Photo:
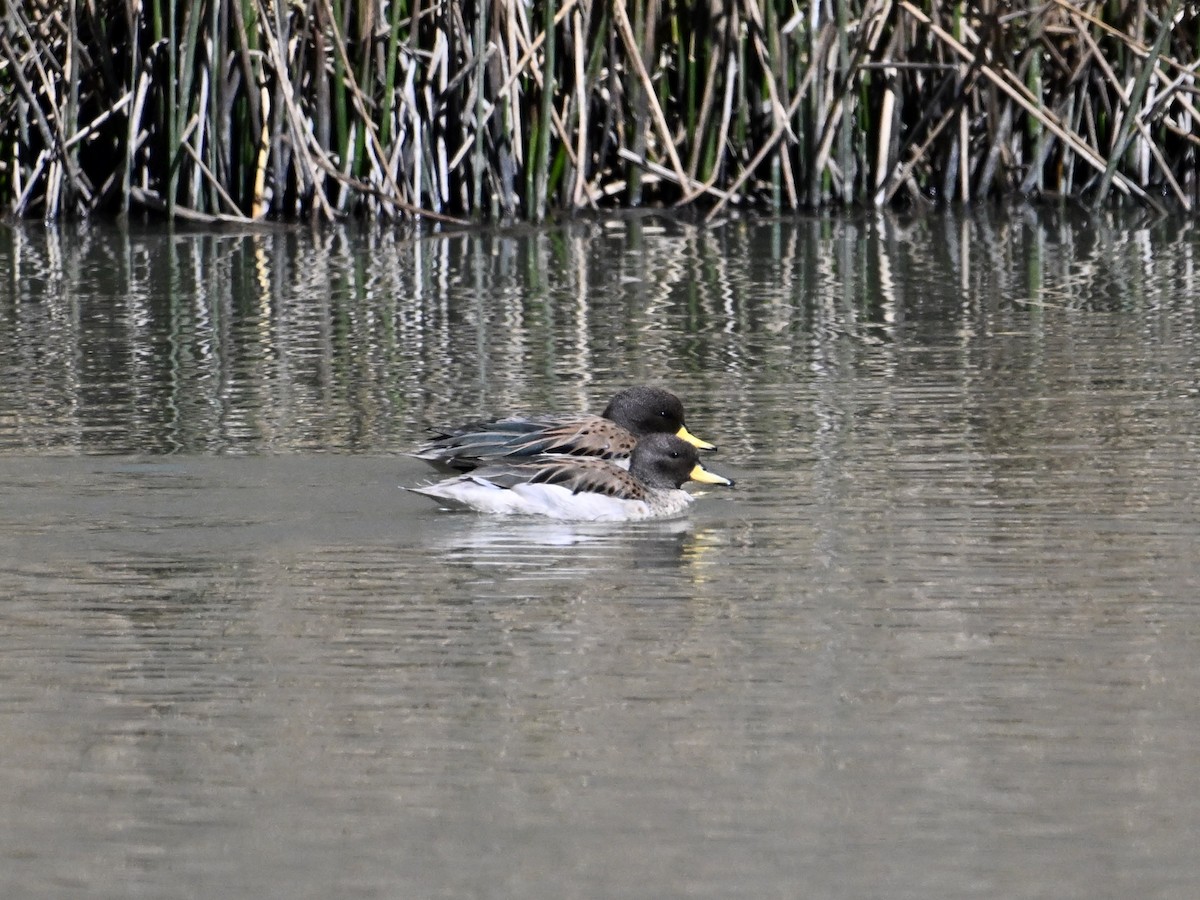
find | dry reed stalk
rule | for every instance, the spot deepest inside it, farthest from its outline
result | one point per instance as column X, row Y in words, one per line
column 1129, row 103
column 1125, row 132
column 365, row 121
column 639, row 67
column 579, row 193
column 779, row 132
column 1016, row 92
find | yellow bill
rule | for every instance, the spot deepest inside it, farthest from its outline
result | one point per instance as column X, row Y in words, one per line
column 693, row 440
column 701, row 474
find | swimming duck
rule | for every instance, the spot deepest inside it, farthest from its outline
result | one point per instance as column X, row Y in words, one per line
column 584, row 489
column 612, row 435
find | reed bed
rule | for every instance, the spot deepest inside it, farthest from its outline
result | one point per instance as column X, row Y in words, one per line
column 235, row 110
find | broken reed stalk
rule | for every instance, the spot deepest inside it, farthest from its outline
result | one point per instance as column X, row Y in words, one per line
column 236, row 110
column 1130, row 118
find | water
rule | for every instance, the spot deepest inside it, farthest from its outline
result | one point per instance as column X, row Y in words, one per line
column 941, row 641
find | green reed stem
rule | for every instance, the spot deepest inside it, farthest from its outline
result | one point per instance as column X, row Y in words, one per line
column 478, row 165
column 545, row 114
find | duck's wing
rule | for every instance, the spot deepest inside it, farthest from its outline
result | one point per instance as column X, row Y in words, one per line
column 578, row 475
column 523, row 438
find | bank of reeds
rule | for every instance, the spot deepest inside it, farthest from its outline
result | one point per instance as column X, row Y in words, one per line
column 240, row 109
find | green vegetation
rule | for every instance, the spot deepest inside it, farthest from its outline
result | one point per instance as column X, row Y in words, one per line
column 242, row 109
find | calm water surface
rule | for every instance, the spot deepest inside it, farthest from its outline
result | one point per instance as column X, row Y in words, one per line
column 943, row 639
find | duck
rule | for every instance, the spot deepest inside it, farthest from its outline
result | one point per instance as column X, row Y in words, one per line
column 584, row 489
column 632, row 414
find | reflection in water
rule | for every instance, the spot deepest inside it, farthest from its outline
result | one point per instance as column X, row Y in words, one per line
column 668, row 559
column 283, row 340
column 939, row 641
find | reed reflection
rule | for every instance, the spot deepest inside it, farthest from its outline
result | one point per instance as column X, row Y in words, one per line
column 288, row 340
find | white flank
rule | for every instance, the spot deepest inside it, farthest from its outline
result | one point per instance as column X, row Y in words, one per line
column 553, row 501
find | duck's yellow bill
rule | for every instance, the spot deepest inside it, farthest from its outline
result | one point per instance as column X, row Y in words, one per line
column 701, row 474
column 693, row 440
